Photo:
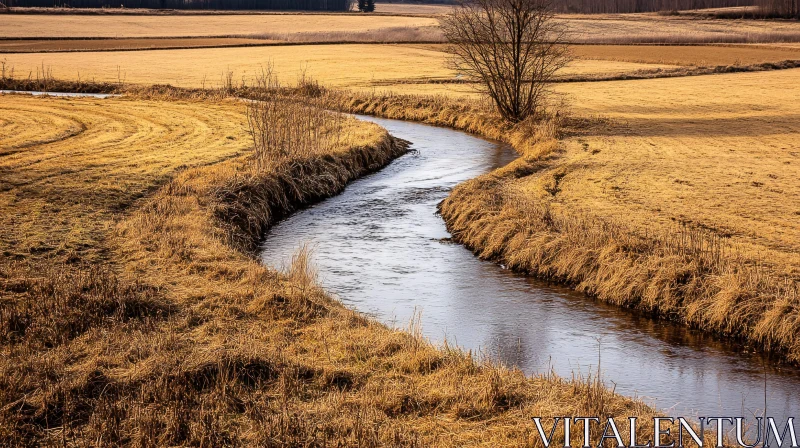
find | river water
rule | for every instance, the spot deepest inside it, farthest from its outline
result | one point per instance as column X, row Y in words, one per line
column 61, row 94
column 382, row 249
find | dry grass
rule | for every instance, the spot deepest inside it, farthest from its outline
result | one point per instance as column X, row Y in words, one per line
column 82, row 26
column 421, row 71
column 792, row 46
column 162, row 330
column 284, row 129
column 430, row 33
column 678, row 72
column 457, row 88
column 474, row 115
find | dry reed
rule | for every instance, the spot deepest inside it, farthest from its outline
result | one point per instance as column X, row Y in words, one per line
column 284, row 129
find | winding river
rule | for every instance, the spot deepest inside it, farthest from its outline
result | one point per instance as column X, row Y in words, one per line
column 381, row 248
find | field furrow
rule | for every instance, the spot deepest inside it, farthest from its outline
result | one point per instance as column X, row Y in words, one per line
column 70, row 161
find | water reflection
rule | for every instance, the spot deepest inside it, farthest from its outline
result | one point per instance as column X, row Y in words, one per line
column 60, row 94
column 381, row 248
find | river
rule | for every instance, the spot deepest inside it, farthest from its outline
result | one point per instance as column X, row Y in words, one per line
column 381, row 248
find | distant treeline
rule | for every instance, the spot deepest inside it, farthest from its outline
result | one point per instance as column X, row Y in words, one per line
column 628, row 6
column 761, row 8
column 302, row 5
column 780, row 8
column 758, row 8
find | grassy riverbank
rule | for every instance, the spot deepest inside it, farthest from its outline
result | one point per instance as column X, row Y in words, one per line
column 691, row 221
column 133, row 311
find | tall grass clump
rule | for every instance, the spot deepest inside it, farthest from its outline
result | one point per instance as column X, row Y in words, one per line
column 284, row 129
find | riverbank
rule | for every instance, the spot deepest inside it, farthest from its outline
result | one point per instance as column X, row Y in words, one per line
column 135, row 313
column 694, row 273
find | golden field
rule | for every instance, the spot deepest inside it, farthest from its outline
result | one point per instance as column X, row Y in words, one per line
column 150, row 326
column 355, row 66
column 705, row 55
column 716, row 152
column 341, row 65
column 607, row 29
column 56, row 45
column 73, row 165
column 346, row 65
column 681, row 55
column 239, row 25
column 654, row 28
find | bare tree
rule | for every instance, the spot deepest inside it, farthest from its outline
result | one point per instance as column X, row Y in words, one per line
column 512, row 47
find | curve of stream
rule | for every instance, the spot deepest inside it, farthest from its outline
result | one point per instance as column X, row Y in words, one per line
column 381, row 248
